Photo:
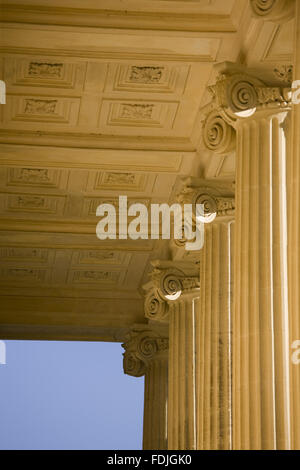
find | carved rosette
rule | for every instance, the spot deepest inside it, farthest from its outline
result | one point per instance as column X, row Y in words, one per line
column 141, row 346
column 278, row 11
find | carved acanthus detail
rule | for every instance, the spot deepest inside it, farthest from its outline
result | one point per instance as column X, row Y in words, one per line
column 266, row 95
column 45, row 69
column 33, row 106
column 145, row 74
column 284, row 73
column 35, row 175
column 120, row 178
column 141, row 347
column 31, row 201
column 137, row 111
column 273, row 10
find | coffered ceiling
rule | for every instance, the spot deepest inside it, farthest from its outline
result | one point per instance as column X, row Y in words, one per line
column 104, row 99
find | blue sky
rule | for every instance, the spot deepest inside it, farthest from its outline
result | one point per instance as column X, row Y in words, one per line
column 68, row 395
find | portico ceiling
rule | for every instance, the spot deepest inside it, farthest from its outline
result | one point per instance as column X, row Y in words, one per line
column 104, row 99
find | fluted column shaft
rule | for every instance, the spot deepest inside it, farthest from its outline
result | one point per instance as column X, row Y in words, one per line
column 213, row 344
column 294, row 244
column 281, row 11
column 155, row 403
column 261, row 409
column 183, row 317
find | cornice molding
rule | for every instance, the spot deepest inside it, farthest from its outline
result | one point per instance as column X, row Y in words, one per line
column 107, row 55
column 114, row 18
column 142, row 345
column 278, row 11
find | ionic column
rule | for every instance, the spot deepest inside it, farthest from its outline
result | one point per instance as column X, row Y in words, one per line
column 213, row 324
column 182, row 375
column 261, row 367
column 146, row 353
column 281, row 11
column 215, row 342
column 261, row 309
column 293, row 178
column 178, row 288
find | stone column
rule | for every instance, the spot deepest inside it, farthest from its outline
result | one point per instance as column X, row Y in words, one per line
column 155, row 403
column 215, row 342
column 146, row 353
column 261, row 366
column 281, row 11
column 182, row 375
column 294, row 242
column 173, row 296
column 213, row 326
column 261, row 308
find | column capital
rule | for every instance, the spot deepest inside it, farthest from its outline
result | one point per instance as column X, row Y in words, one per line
column 170, row 281
column 237, row 93
column 218, row 200
column 141, row 346
column 217, row 197
column 278, row 11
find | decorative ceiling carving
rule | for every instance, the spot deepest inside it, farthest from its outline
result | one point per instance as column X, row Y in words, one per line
column 107, row 100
